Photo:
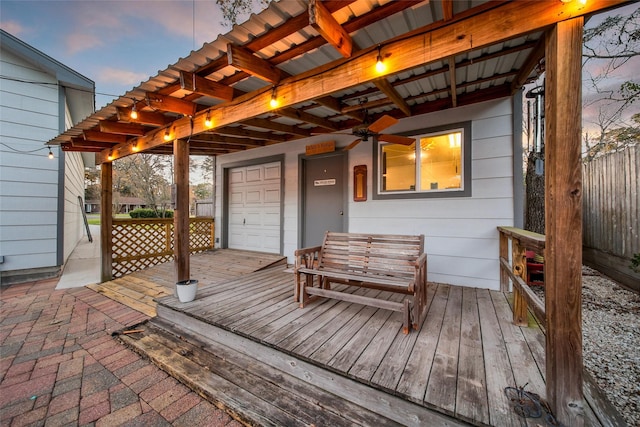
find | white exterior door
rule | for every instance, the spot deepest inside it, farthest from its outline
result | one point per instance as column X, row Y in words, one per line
column 254, row 207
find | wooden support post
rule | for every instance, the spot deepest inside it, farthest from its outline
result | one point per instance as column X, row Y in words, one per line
column 106, row 222
column 520, row 308
column 563, row 218
column 181, row 212
column 504, row 253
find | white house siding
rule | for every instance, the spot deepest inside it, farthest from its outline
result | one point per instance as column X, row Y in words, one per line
column 28, row 181
column 73, row 187
column 461, row 236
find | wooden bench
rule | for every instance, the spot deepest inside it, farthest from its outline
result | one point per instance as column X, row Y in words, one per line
column 394, row 263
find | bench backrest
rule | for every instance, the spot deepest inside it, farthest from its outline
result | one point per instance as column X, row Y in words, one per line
column 382, row 254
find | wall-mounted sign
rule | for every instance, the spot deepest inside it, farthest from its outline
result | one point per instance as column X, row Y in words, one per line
column 324, row 182
column 321, row 147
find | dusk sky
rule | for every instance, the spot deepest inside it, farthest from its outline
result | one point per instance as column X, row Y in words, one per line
column 119, row 44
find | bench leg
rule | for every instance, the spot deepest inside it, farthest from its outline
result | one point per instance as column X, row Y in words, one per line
column 406, row 314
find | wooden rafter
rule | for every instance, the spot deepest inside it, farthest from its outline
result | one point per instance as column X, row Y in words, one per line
column 107, row 126
column 170, row 104
column 202, row 86
column 245, row 60
column 321, row 19
column 144, row 117
column 394, row 97
column 79, row 142
column 530, row 63
column 278, row 127
column 246, row 133
column 94, row 135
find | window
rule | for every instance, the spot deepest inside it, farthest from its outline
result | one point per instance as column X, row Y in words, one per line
column 438, row 164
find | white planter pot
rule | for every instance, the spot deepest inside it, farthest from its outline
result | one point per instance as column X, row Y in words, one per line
column 186, row 290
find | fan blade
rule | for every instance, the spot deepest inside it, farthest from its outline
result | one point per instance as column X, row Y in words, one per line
column 353, row 144
column 382, row 123
column 396, row 139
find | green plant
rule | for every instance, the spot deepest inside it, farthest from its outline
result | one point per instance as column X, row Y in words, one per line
column 635, row 263
column 143, row 213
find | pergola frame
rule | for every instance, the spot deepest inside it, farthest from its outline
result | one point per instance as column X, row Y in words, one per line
column 456, row 34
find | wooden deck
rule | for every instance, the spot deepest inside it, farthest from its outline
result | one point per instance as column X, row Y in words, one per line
column 456, row 367
column 140, row 289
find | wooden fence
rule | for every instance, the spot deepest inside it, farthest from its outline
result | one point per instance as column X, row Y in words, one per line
column 141, row 243
column 611, row 214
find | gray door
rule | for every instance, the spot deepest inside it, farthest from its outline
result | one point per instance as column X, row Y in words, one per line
column 323, row 202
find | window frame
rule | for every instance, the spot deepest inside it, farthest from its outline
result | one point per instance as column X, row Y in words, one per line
column 465, row 181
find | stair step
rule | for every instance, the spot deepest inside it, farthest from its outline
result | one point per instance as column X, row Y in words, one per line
column 254, row 393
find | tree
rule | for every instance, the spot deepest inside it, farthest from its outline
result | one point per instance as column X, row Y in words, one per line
column 611, row 96
column 232, row 10
column 145, row 174
column 208, row 168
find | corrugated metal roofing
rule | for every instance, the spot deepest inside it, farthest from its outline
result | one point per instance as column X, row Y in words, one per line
column 418, row 86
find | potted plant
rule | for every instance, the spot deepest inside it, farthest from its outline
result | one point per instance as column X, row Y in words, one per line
column 186, row 290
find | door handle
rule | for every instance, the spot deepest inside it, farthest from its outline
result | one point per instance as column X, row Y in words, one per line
column 341, row 213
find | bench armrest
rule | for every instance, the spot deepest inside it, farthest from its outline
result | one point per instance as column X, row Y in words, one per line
column 306, row 257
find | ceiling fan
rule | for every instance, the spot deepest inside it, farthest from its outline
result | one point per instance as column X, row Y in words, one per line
column 366, row 130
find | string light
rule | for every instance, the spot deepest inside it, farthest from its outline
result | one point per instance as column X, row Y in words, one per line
column 273, row 103
column 167, row 135
column 110, row 156
column 134, row 112
column 50, row 152
column 380, row 66
column 135, row 148
column 207, row 121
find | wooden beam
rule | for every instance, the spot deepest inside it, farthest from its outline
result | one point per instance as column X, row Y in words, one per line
column 66, row 146
column 144, row 117
column 530, row 63
column 79, row 142
column 447, row 9
column 194, row 83
column 230, row 140
column 106, row 221
column 278, row 127
column 393, row 95
column 239, row 131
column 423, row 46
column 452, row 82
column 94, row 135
column 245, row 60
column 297, row 114
column 171, row 104
column 325, row 24
column 108, row 126
column 563, row 221
column 181, row 211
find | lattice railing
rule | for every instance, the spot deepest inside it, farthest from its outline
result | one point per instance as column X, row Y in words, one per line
column 141, row 243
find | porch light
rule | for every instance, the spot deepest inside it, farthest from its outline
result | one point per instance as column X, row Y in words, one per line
column 134, row 112
column 380, row 66
column 207, row 121
column 273, row 103
column 50, row 152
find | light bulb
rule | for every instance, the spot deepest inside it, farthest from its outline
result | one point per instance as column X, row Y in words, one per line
column 273, row 103
column 380, row 65
column 207, row 121
column 50, row 153
column 167, row 135
column 134, row 112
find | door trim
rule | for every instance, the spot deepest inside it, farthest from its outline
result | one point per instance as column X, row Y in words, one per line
column 224, row 238
column 302, row 158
